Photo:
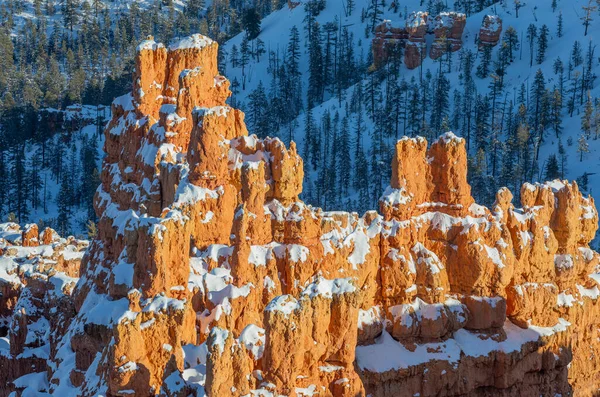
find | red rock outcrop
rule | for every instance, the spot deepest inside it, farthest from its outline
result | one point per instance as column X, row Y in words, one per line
column 489, row 33
column 390, row 41
column 415, row 51
column 448, row 29
column 209, row 276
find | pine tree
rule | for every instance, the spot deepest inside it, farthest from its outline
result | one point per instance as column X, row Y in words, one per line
column 518, row 5
column 582, row 147
column 251, row 23
column 482, row 122
column 587, row 117
column 233, row 56
column 556, row 116
column 258, row 111
column 583, row 182
column 4, row 184
column 531, row 36
column 374, row 13
column 597, row 120
column 483, row 69
column 552, row 168
column 64, row 205
column 18, row 184
column 587, row 17
column 440, row 102
column 316, row 82
column 559, row 25
column 345, row 159
column 576, row 54
column 244, row 58
column 70, row 13
column 538, row 90
column 542, row 44
column 512, row 40
column 562, row 154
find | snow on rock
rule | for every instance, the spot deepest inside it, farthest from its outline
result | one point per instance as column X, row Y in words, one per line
column 194, row 41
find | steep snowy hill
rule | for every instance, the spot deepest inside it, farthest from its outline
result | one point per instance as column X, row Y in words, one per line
column 495, row 147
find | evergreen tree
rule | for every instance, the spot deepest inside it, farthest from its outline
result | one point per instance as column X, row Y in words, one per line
column 512, row 40
column 70, row 13
column 440, row 102
column 576, row 54
column 531, row 36
column 587, row 117
column 258, row 111
column 559, row 25
column 251, row 23
column 349, row 7
column 562, row 156
column 582, row 147
column 556, row 116
column 587, row 17
column 244, row 58
column 552, row 168
column 542, row 44
column 316, row 83
column 344, row 158
column 374, row 13
column 64, row 205
column 233, row 56
column 18, row 201
column 483, row 69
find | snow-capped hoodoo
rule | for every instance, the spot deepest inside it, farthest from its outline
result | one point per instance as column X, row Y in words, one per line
column 209, row 276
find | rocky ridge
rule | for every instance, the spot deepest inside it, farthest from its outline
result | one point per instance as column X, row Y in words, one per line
column 210, row 277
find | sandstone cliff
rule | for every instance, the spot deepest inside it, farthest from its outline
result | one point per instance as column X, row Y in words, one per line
column 210, row 277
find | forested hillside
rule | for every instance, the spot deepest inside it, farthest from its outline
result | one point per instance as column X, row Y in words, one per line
column 528, row 106
column 57, row 55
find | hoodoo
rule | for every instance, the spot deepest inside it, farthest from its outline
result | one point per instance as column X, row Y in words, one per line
column 209, row 276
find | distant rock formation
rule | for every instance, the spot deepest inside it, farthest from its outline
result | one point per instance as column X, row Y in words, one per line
column 209, row 276
column 447, row 27
column 489, row 33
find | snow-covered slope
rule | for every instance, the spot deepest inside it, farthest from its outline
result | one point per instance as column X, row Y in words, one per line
column 276, row 31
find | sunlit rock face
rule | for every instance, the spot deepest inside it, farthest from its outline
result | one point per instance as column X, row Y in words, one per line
column 209, row 276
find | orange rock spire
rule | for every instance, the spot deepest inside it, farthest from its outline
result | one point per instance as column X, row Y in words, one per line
column 210, row 277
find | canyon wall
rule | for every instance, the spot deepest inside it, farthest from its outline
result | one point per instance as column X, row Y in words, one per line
column 209, row 276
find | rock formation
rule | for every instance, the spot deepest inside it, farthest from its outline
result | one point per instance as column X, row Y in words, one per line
column 447, row 28
column 37, row 276
column 390, row 41
column 209, row 276
column 489, row 33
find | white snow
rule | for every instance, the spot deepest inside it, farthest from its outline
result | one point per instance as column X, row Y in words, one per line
column 194, row 41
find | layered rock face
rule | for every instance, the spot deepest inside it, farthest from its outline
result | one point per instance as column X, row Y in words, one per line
column 210, row 277
column 389, row 41
column 489, row 33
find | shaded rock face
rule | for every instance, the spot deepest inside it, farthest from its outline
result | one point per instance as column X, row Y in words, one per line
column 209, row 276
column 390, row 41
column 489, row 33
